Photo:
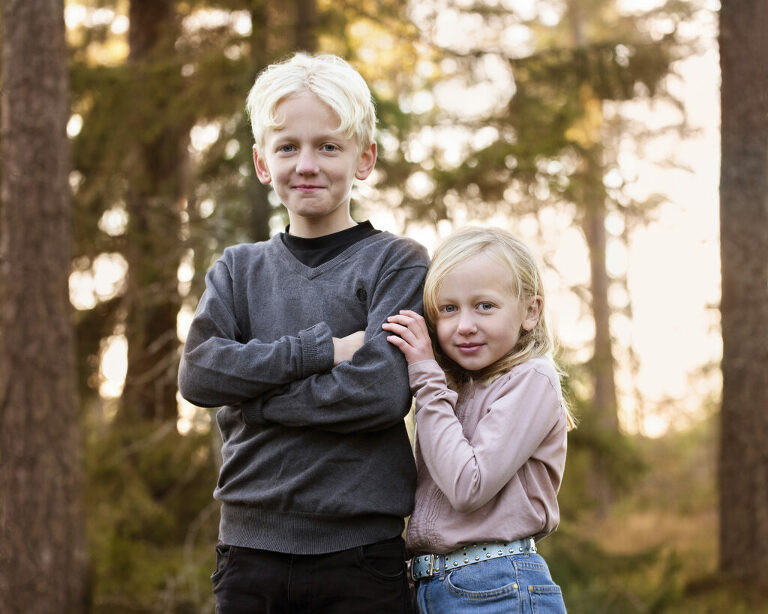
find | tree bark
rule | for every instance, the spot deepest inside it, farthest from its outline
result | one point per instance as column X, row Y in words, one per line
column 743, row 469
column 257, row 193
column 604, row 401
column 306, row 22
column 42, row 537
column 154, row 197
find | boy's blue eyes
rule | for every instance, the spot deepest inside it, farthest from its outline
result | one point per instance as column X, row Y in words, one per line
column 327, row 148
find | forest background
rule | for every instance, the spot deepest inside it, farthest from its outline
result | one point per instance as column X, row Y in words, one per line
column 570, row 122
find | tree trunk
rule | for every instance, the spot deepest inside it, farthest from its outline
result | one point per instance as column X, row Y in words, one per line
column 42, row 537
column 604, row 402
column 744, row 305
column 604, row 405
column 154, row 245
column 257, row 193
column 306, row 21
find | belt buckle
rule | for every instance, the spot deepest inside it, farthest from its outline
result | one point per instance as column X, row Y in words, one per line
column 431, row 565
column 430, row 560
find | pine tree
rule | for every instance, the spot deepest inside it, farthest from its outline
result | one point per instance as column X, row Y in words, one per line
column 744, row 305
column 42, row 558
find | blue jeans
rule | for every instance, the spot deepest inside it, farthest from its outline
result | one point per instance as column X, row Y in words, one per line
column 520, row 583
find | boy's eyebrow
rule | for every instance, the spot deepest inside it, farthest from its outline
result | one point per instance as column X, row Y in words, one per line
column 285, row 132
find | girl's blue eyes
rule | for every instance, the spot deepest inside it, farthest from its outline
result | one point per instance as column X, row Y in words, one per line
column 453, row 308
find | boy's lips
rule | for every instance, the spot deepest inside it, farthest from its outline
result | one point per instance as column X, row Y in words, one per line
column 307, row 187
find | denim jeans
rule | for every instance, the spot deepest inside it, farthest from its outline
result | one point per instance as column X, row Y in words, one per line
column 369, row 579
column 519, row 583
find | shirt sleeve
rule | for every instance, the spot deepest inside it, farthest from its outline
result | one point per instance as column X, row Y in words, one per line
column 470, row 472
column 369, row 392
column 217, row 369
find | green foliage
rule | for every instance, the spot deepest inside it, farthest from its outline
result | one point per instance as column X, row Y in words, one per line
column 596, row 581
column 151, row 522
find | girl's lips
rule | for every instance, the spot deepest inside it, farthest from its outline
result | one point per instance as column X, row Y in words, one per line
column 469, row 348
column 307, row 188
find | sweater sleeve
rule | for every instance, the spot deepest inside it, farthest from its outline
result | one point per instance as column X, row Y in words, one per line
column 217, row 369
column 470, row 472
column 369, row 392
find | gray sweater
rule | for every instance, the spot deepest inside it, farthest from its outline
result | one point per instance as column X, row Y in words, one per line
column 316, row 458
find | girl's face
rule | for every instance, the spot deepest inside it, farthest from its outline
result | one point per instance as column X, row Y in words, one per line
column 479, row 317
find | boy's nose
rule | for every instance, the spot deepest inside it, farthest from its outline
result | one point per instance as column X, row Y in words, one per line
column 306, row 164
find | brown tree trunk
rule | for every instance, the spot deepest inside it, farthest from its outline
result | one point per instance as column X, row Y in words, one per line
column 153, row 235
column 306, row 22
column 604, row 401
column 42, row 538
column 258, row 194
column 744, row 305
column 604, row 405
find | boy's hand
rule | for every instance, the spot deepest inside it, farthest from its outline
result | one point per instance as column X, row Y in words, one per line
column 345, row 347
column 411, row 336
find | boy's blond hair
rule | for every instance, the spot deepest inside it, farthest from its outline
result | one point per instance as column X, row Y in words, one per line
column 524, row 280
column 330, row 78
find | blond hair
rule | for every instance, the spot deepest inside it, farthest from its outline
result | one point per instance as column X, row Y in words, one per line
column 330, row 78
column 524, row 281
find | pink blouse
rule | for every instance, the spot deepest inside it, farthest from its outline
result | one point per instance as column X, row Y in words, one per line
column 490, row 466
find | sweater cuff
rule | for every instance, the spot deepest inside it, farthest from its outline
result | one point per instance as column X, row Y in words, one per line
column 316, row 349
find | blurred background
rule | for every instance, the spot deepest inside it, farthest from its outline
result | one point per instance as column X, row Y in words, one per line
column 589, row 128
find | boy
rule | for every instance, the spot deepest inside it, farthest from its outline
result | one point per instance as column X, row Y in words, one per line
column 317, row 471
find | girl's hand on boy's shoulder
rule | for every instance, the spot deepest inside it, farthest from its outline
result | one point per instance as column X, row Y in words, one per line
column 410, row 335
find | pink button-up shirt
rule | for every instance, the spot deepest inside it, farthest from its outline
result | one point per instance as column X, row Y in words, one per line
column 489, row 465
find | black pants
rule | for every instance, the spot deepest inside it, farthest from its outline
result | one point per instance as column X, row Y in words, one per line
column 368, row 579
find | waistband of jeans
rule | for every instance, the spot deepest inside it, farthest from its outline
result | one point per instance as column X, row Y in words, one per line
column 428, row 565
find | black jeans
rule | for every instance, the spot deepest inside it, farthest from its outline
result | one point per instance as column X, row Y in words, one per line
column 368, row 579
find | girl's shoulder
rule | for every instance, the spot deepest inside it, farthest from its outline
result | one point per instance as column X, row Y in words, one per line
column 543, row 365
column 535, row 371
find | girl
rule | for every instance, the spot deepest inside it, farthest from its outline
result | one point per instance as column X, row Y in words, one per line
column 491, row 429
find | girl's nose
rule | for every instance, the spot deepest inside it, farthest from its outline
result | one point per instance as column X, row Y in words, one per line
column 466, row 325
column 306, row 164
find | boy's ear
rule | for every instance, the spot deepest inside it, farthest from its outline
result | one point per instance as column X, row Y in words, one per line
column 262, row 170
column 366, row 162
column 532, row 312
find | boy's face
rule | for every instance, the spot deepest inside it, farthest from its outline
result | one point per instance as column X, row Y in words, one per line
column 311, row 166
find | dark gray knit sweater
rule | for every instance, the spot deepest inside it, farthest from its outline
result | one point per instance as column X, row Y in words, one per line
column 316, row 458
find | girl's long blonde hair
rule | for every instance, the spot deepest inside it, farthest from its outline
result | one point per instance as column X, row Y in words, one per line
column 524, row 280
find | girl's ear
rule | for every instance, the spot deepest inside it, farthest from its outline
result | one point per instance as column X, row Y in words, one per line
column 366, row 162
column 533, row 308
column 262, row 170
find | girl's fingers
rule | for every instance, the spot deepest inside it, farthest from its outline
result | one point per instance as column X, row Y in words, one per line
column 398, row 329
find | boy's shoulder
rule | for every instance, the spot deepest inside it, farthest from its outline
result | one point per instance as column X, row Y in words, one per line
column 404, row 250
column 248, row 251
column 383, row 249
